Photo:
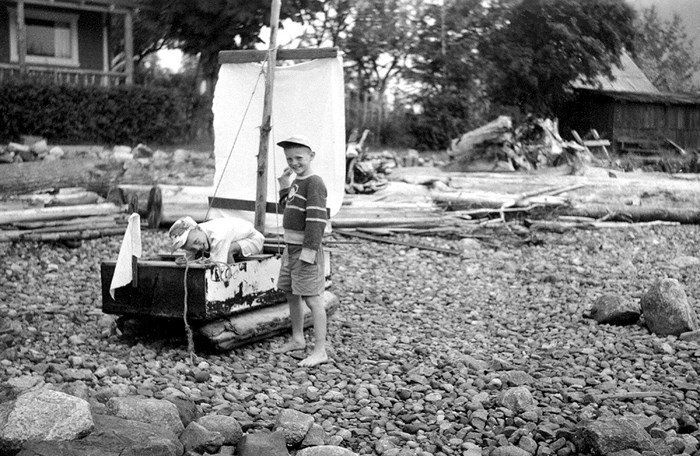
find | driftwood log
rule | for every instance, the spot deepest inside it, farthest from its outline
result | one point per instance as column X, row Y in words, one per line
column 253, row 326
column 491, row 132
column 94, row 175
column 623, row 213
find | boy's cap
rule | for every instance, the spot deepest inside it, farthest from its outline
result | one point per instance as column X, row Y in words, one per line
column 298, row 140
column 180, row 230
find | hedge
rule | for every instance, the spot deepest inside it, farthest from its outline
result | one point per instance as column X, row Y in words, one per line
column 93, row 115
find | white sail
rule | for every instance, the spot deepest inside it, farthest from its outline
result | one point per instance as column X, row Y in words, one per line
column 308, row 99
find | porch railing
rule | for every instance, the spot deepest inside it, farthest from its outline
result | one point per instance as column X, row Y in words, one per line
column 64, row 75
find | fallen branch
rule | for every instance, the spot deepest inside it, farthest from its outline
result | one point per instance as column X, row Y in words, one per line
column 622, row 396
column 397, row 242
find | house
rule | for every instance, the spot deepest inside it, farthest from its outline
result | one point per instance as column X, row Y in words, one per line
column 65, row 40
column 633, row 114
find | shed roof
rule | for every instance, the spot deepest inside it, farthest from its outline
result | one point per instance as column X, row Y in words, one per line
column 628, row 77
column 670, row 98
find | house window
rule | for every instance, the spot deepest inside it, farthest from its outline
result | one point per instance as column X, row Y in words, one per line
column 52, row 38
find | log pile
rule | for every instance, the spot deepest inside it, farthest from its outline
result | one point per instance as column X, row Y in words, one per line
column 501, row 146
column 71, row 214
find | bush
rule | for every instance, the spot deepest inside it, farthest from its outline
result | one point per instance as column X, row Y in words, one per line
column 102, row 115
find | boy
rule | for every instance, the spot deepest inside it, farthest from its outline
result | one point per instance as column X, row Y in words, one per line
column 220, row 240
column 304, row 221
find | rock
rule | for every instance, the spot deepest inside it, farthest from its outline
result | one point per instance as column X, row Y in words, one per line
column 112, row 436
column 153, row 411
column 26, row 382
column 55, row 153
column 43, row 415
column 122, row 153
column 691, row 336
column 186, row 408
column 518, row 399
column 263, row 443
column 685, row 261
column 509, row 450
column 316, row 436
column 613, row 310
column 227, row 426
column 142, row 151
column 180, row 156
column 199, row 439
column 607, row 435
column 516, row 378
column 40, row 148
column 687, row 424
column 325, row 450
column 294, row 425
column 666, row 309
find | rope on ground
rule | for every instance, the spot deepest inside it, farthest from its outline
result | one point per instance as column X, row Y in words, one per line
column 224, row 272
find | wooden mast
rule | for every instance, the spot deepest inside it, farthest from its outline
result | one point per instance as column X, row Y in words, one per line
column 261, row 191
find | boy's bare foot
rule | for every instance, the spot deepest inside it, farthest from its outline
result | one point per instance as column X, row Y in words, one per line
column 314, row 359
column 290, row 346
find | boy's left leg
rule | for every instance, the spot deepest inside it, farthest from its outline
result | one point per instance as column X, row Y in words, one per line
column 318, row 313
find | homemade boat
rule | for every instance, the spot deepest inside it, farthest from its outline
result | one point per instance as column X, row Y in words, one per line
column 239, row 303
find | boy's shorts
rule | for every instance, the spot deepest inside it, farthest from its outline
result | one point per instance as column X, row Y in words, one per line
column 299, row 277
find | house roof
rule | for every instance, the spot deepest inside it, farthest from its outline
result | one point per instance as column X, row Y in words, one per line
column 670, row 98
column 87, row 4
column 628, row 77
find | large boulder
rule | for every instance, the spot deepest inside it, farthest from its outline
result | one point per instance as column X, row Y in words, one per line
column 666, row 309
column 154, row 411
column 196, row 438
column 262, row 444
column 112, row 436
column 294, row 425
column 227, row 426
column 611, row 309
column 43, row 415
column 610, row 434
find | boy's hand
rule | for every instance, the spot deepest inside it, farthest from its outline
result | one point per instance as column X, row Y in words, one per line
column 284, row 180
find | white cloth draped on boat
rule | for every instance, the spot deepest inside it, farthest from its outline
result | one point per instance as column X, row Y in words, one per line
column 130, row 248
column 308, row 99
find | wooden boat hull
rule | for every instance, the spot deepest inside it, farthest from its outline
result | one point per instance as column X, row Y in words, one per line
column 160, row 288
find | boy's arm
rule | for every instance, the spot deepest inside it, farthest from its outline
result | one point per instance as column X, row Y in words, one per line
column 285, row 184
column 316, row 220
column 252, row 244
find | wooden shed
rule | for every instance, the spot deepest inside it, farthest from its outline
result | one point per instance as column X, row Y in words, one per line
column 630, row 112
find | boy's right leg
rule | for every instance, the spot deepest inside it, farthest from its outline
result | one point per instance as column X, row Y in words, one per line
column 296, row 313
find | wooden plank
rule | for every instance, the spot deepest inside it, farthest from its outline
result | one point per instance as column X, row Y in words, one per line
column 249, row 56
column 596, row 142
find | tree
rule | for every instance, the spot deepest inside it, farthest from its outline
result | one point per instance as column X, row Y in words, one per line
column 203, row 28
column 545, row 45
column 449, row 71
column 665, row 53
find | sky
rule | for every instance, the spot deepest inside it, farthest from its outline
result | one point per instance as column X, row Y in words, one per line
column 172, row 58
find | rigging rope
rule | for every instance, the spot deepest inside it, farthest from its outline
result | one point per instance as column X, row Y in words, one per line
column 235, row 139
column 225, row 274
